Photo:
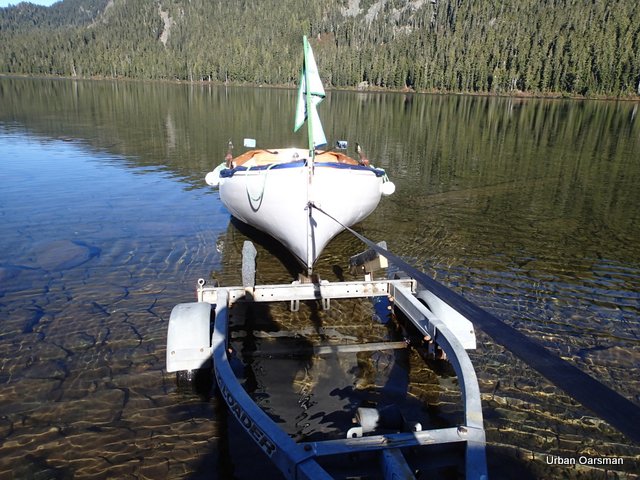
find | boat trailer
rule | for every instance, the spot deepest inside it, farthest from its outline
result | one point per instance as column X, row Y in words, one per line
column 198, row 337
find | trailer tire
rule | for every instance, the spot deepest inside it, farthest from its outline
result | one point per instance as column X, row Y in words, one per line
column 185, row 379
column 198, row 381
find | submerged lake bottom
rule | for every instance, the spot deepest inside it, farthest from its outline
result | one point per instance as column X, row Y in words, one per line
column 107, row 224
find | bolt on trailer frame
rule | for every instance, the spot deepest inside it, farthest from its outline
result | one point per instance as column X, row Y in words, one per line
column 434, row 319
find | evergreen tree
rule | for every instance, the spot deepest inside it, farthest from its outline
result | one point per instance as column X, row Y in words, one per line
column 535, row 46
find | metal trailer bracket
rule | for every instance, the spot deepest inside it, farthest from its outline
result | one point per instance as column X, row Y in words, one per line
column 308, row 460
column 300, row 460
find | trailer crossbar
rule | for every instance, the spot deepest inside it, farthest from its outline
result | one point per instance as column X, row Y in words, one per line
column 302, row 291
column 298, row 460
column 398, row 446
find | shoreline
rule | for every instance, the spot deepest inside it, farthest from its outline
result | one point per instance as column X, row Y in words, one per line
column 406, row 90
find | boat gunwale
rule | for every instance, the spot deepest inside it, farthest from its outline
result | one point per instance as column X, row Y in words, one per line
column 230, row 172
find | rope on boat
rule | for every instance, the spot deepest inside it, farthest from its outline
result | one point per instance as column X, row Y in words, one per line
column 606, row 403
column 257, row 198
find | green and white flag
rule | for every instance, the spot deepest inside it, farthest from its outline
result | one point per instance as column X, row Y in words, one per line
column 310, row 94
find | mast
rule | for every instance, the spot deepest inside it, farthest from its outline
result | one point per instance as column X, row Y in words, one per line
column 310, row 94
column 311, row 159
column 307, row 100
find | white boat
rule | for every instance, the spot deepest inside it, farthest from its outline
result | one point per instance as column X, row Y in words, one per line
column 293, row 193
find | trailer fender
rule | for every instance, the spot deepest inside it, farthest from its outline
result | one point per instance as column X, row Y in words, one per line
column 189, row 337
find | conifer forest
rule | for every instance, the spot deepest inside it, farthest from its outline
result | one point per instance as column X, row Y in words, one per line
column 540, row 47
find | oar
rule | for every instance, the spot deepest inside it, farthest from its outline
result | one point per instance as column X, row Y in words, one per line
column 607, row 404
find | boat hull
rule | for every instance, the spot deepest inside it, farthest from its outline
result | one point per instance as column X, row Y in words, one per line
column 276, row 201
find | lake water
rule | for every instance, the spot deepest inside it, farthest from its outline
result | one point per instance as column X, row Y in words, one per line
column 529, row 208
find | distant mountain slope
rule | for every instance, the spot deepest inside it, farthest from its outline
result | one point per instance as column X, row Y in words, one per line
column 536, row 46
column 69, row 13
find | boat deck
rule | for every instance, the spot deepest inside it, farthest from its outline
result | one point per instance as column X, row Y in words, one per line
column 263, row 157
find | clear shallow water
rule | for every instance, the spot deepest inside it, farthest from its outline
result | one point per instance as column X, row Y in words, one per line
column 527, row 207
column 84, row 311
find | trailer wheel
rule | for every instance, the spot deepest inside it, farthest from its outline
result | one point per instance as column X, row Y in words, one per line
column 184, row 379
column 199, row 381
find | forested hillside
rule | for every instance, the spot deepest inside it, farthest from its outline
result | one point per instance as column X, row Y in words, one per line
column 581, row 47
